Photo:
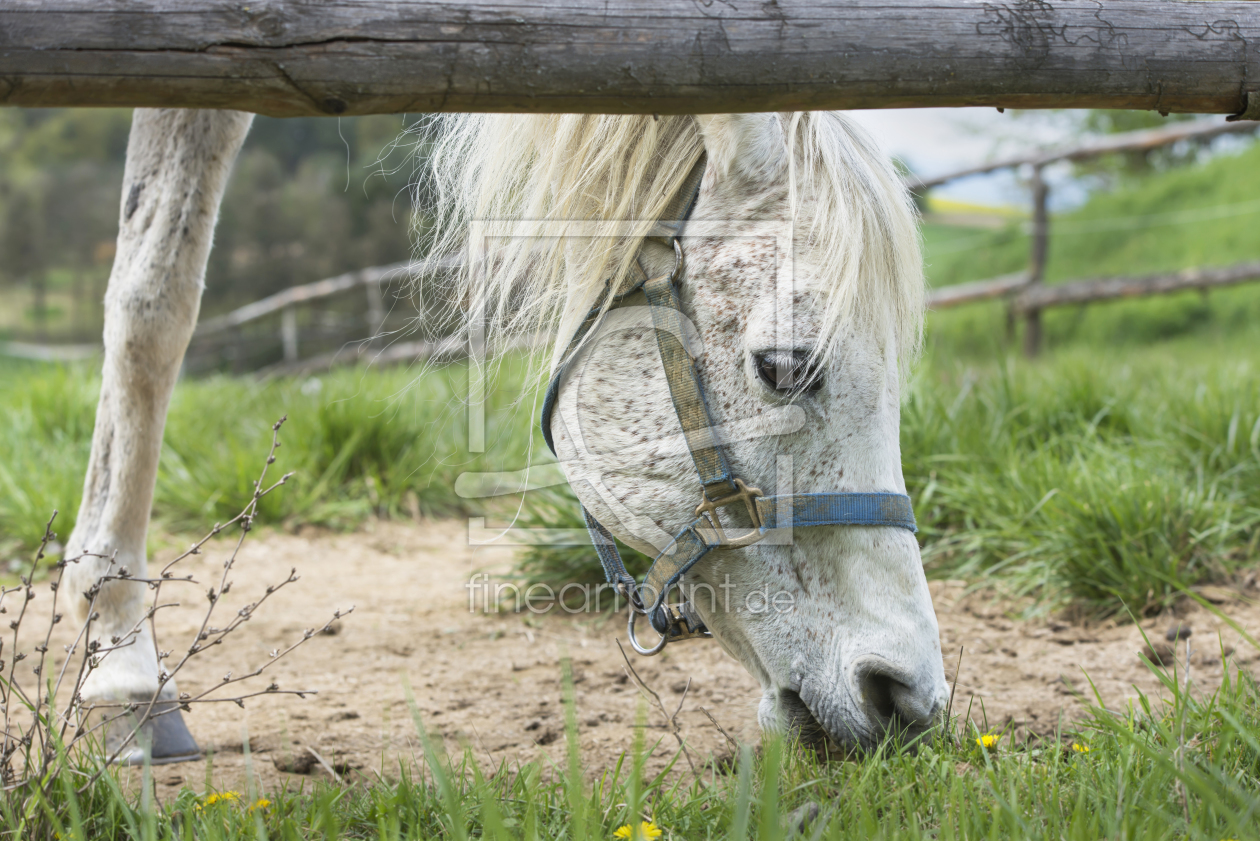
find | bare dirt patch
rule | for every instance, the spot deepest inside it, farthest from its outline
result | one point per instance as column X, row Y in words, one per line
column 493, row 682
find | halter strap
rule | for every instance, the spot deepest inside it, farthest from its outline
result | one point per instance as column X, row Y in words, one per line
column 684, row 388
column 782, row 511
column 720, row 486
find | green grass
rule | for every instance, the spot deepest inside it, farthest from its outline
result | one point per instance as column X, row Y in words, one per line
column 1101, row 483
column 1116, row 471
column 1205, row 215
column 1193, row 216
column 1186, row 768
column 1068, row 479
column 385, row 443
column 1072, row 479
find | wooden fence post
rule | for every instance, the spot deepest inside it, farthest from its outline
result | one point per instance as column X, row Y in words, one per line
column 289, row 333
column 1037, row 260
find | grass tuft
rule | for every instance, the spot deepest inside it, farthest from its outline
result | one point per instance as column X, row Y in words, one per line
column 1184, row 766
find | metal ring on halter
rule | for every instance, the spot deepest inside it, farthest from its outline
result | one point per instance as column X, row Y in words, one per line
column 678, row 261
column 634, row 642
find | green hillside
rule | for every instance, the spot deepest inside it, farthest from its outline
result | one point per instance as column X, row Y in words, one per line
column 1207, row 214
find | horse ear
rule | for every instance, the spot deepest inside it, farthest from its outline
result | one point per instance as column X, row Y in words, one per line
column 749, row 145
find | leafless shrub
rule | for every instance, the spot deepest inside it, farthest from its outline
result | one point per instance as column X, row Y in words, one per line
column 39, row 731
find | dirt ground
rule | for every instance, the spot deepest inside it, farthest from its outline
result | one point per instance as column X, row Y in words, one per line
column 493, row 681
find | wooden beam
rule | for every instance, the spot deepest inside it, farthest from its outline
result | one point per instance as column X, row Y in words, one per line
column 1112, row 288
column 321, row 57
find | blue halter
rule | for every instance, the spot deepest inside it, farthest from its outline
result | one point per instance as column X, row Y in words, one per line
column 720, row 487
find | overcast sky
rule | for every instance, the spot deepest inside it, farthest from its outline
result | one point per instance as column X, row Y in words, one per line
column 934, row 141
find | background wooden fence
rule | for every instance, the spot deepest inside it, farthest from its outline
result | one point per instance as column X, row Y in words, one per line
column 370, row 314
column 373, row 314
column 1026, row 291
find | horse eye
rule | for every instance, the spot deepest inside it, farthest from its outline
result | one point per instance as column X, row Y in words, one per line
column 790, row 373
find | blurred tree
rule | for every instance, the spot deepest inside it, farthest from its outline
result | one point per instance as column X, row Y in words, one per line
column 309, row 198
column 22, row 242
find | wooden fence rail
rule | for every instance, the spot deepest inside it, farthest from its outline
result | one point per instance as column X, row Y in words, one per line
column 1025, row 297
column 1035, row 298
column 1129, row 141
column 976, row 290
column 294, row 295
column 310, row 57
column 1026, row 290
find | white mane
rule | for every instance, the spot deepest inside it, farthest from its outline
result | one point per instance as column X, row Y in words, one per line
column 849, row 206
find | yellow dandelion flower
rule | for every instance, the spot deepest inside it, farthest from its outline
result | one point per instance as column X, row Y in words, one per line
column 221, row 797
column 1079, row 748
column 260, row 803
column 646, row 831
column 989, row 740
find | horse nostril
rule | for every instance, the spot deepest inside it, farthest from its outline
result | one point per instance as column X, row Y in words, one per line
column 877, row 690
column 892, row 698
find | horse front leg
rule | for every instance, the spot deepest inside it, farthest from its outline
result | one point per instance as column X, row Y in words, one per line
column 177, row 167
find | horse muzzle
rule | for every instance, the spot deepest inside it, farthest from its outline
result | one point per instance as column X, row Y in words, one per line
column 874, row 700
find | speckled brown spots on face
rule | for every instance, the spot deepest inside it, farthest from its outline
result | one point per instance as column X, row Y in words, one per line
column 733, row 294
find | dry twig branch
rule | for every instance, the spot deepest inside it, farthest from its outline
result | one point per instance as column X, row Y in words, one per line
column 30, row 753
column 734, row 744
column 671, row 720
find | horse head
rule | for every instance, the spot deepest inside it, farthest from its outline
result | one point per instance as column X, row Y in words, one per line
column 837, row 622
column 801, row 297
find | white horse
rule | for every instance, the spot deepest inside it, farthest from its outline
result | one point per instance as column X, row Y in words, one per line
column 801, row 256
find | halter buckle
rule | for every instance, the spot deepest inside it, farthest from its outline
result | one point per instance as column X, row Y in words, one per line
column 708, row 509
column 683, row 624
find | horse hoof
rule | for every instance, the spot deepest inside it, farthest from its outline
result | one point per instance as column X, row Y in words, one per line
column 162, row 739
